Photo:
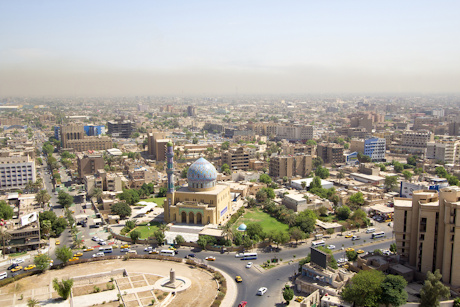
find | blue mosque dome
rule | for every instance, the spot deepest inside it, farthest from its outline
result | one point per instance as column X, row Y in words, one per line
column 201, row 175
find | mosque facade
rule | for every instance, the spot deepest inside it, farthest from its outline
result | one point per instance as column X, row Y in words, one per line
column 203, row 201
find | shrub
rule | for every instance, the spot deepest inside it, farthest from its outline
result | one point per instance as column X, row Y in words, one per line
column 97, row 289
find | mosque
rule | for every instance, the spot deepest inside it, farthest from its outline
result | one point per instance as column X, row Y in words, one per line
column 203, row 201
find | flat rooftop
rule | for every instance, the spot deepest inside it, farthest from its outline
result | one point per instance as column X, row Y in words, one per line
column 217, row 189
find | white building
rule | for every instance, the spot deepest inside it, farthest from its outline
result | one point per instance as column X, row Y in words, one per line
column 448, row 151
column 16, row 172
column 297, row 184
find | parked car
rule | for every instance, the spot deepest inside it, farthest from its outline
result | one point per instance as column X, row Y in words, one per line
column 262, row 291
column 18, row 260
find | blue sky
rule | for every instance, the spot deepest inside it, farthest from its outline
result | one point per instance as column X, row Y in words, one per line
column 169, row 47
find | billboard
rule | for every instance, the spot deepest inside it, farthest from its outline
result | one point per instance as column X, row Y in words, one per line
column 319, row 257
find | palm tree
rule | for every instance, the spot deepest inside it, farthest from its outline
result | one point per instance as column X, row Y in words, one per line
column 46, row 227
column 163, row 228
column 42, row 198
column 5, row 236
column 227, row 231
column 340, row 175
column 32, row 302
column 97, row 192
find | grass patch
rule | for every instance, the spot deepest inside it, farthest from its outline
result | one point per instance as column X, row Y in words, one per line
column 145, row 231
column 17, row 254
column 158, row 200
column 268, row 223
column 329, row 218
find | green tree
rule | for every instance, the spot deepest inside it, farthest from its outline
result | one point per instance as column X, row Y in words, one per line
column 297, row 234
column 390, row 182
column 351, row 255
column 122, row 209
column 306, row 220
column 63, row 287
column 48, row 148
column 254, row 230
column 163, row 228
column 393, row 248
column 131, row 196
column 159, row 236
column 316, row 183
column 280, row 237
column 264, row 178
column 202, row 242
column 356, row 200
column 310, row 142
column 59, row 225
column 398, row 167
column 134, row 235
column 412, row 160
column 261, row 195
column 42, row 262
column 4, row 237
column 195, row 140
column 6, row 212
column 359, row 214
column 364, row 289
column 441, row 171
column 247, row 242
column 407, row 175
column 343, row 212
column 45, row 228
column 63, row 253
column 433, row 290
column 162, row 192
column 225, row 169
column 65, row 199
column 288, row 294
column 179, row 240
column 453, row 180
column 225, row 145
column 457, row 302
column 42, row 197
column 322, row 172
column 238, row 238
column 393, row 292
column 317, row 162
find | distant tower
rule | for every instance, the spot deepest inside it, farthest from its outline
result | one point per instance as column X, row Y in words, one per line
column 170, row 166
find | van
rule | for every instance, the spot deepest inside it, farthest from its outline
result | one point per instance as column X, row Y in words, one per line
column 3, row 275
column 370, row 230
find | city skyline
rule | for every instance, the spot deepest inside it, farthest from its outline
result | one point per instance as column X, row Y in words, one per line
column 206, row 48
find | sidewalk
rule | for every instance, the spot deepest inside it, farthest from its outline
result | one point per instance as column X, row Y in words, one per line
column 232, row 291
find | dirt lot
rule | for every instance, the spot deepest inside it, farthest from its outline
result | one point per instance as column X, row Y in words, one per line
column 202, row 291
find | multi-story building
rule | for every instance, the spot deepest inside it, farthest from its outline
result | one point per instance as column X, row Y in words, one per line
column 90, row 143
column 105, row 181
column 447, row 151
column 373, row 147
column 416, row 138
column 70, row 132
column 290, row 166
column 88, row 164
column 121, row 128
column 16, row 172
column 330, row 153
column 294, row 133
column 92, row 130
column 191, row 111
column 156, row 143
column 25, row 233
column 236, row 158
column 293, row 149
column 427, row 232
column 454, row 128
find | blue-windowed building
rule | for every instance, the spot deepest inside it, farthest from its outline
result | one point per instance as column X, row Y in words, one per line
column 92, row 130
column 375, row 149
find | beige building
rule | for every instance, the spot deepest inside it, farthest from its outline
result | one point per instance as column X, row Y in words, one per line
column 156, row 143
column 88, row 164
column 109, row 182
column 427, row 232
column 330, row 152
column 290, row 166
column 203, row 201
column 447, row 151
column 73, row 136
column 416, row 138
column 16, row 172
column 236, row 158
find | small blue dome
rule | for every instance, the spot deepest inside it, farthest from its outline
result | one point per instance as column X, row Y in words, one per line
column 242, row 227
column 202, row 174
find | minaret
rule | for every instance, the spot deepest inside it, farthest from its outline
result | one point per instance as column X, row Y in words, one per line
column 170, row 166
column 170, row 171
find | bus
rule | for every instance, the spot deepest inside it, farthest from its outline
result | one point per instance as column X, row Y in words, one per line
column 167, row 252
column 106, row 249
column 249, row 256
column 318, row 243
column 378, row 235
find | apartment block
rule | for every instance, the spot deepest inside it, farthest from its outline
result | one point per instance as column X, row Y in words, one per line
column 290, row 166
column 156, row 143
column 237, row 158
column 121, row 128
column 417, row 138
column 88, row 164
column 90, row 143
column 373, row 147
column 293, row 149
column 16, row 172
column 330, row 153
column 294, row 133
column 447, row 151
column 427, row 232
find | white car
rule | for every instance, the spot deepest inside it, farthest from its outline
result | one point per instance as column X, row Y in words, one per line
column 248, row 265
column 96, row 239
column 262, row 291
column 124, row 250
column 331, row 247
column 100, row 254
column 341, row 260
column 18, row 260
column 148, row 249
column 102, row 243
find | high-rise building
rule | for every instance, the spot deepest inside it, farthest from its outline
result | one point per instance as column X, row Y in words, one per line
column 74, row 137
column 373, row 148
column 92, row 130
column 71, row 132
column 447, row 151
column 191, row 111
column 157, row 143
column 121, row 128
column 16, row 172
column 290, row 166
column 330, row 153
column 236, row 158
column 88, row 164
column 427, row 232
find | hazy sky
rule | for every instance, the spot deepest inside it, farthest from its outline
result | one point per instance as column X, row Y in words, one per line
column 227, row 47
